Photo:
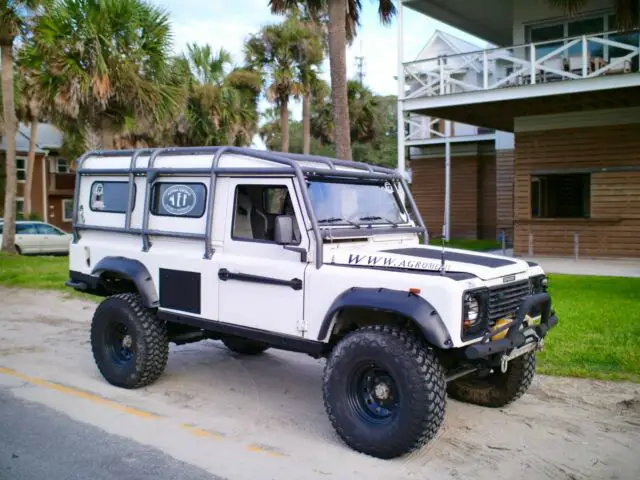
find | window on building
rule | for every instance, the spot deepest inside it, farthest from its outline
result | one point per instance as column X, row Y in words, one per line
column 110, row 197
column 561, row 196
column 21, row 168
column 62, row 165
column 19, row 206
column 179, row 199
column 67, row 210
column 545, row 33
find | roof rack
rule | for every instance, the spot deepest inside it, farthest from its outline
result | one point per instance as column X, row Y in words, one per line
column 289, row 163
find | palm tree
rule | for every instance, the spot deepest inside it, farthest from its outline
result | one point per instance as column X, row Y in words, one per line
column 626, row 10
column 13, row 22
column 106, row 63
column 343, row 19
column 278, row 51
column 221, row 106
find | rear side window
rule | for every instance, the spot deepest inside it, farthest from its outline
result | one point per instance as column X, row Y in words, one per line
column 110, row 197
column 179, row 199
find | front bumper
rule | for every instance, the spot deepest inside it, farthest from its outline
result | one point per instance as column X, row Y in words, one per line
column 517, row 340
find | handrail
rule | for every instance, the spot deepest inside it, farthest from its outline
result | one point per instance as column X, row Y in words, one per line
column 362, row 170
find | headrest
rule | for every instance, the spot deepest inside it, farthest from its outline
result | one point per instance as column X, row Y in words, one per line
column 244, row 203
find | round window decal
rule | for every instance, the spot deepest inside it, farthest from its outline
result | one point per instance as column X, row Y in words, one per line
column 388, row 187
column 179, row 200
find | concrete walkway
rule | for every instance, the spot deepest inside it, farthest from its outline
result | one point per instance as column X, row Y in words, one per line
column 584, row 266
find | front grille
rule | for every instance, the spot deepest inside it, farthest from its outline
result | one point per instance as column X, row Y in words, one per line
column 505, row 299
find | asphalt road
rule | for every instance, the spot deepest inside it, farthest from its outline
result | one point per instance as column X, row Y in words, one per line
column 38, row 442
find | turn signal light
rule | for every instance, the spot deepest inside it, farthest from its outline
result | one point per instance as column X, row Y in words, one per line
column 415, row 291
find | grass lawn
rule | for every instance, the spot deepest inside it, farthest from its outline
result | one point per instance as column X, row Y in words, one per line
column 598, row 334
column 477, row 245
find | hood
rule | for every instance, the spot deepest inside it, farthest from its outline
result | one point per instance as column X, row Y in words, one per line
column 482, row 265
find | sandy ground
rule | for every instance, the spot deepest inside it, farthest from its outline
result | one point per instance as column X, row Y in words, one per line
column 262, row 417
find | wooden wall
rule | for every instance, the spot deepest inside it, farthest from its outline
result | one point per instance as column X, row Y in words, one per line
column 613, row 229
column 473, row 195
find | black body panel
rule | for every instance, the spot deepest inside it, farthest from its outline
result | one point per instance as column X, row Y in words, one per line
column 180, row 290
column 453, row 257
column 275, row 340
column 395, row 301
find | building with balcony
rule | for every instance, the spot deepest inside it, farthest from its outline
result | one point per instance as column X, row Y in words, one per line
column 53, row 178
column 568, row 89
column 473, row 152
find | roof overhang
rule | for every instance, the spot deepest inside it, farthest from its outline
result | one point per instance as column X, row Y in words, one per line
column 498, row 108
column 491, row 20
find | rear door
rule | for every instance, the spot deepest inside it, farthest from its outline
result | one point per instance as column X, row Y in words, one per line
column 261, row 283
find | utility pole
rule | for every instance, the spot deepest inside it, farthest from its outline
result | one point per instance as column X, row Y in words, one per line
column 360, row 66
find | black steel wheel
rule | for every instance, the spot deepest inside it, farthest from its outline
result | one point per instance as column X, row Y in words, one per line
column 384, row 391
column 129, row 343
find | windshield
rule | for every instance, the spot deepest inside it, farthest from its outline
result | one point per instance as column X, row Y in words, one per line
column 359, row 202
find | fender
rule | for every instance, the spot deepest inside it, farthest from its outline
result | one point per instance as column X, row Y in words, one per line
column 400, row 302
column 134, row 271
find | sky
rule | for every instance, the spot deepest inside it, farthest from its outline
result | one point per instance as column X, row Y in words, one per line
column 227, row 23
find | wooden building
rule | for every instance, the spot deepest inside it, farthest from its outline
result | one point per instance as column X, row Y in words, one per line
column 568, row 90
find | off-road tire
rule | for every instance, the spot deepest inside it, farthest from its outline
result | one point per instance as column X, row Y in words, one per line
column 244, row 347
column 497, row 389
column 148, row 338
column 418, row 380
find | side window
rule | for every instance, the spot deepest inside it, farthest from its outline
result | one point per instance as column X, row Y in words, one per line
column 110, row 197
column 255, row 210
column 179, row 199
column 26, row 229
column 44, row 229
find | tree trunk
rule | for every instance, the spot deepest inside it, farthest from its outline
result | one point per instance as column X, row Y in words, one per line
column 338, row 68
column 306, row 124
column 10, row 124
column 31, row 164
column 284, row 124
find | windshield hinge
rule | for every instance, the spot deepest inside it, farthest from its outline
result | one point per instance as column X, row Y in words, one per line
column 302, row 325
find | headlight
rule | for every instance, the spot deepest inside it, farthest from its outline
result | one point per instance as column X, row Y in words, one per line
column 538, row 284
column 471, row 311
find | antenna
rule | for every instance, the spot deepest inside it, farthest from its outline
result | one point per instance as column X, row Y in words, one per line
column 442, row 252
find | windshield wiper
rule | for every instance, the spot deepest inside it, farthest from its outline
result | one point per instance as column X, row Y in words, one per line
column 338, row 219
column 374, row 217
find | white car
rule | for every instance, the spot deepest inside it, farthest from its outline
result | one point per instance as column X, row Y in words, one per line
column 307, row 254
column 33, row 237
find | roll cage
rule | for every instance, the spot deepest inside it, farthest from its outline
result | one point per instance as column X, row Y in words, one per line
column 288, row 163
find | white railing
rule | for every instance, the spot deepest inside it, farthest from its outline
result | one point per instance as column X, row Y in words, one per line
column 564, row 59
column 420, row 128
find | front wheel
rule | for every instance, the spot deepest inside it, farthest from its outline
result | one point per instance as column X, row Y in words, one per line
column 496, row 389
column 384, row 391
column 129, row 342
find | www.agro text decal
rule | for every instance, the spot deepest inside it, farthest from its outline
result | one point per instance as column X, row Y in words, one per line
column 391, row 262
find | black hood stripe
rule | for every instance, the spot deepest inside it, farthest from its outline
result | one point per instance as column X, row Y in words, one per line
column 469, row 258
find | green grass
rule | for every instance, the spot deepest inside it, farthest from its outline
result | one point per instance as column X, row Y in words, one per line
column 598, row 334
column 41, row 272
column 477, row 245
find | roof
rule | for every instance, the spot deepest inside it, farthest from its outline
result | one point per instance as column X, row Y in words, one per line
column 456, row 44
column 48, row 138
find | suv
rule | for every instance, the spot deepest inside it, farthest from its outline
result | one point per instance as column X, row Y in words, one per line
column 307, row 254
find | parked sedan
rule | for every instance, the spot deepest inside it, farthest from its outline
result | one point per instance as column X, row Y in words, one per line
column 39, row 238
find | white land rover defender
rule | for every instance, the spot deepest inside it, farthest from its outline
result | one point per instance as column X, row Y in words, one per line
column 307, row 254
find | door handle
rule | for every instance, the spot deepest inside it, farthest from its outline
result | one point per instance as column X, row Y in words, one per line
column 223, row 274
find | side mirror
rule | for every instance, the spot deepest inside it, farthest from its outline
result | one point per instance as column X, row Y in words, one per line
column 284, row 230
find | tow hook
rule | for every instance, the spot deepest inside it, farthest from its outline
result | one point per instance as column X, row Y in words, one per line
column 532, row 347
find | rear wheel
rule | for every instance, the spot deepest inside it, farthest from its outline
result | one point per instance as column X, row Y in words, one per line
column 496, row 389
column 129, row 342
column 18, row 251
column 384, row 391
column 244, row 347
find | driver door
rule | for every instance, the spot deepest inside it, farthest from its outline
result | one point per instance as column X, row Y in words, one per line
column 262, row 283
